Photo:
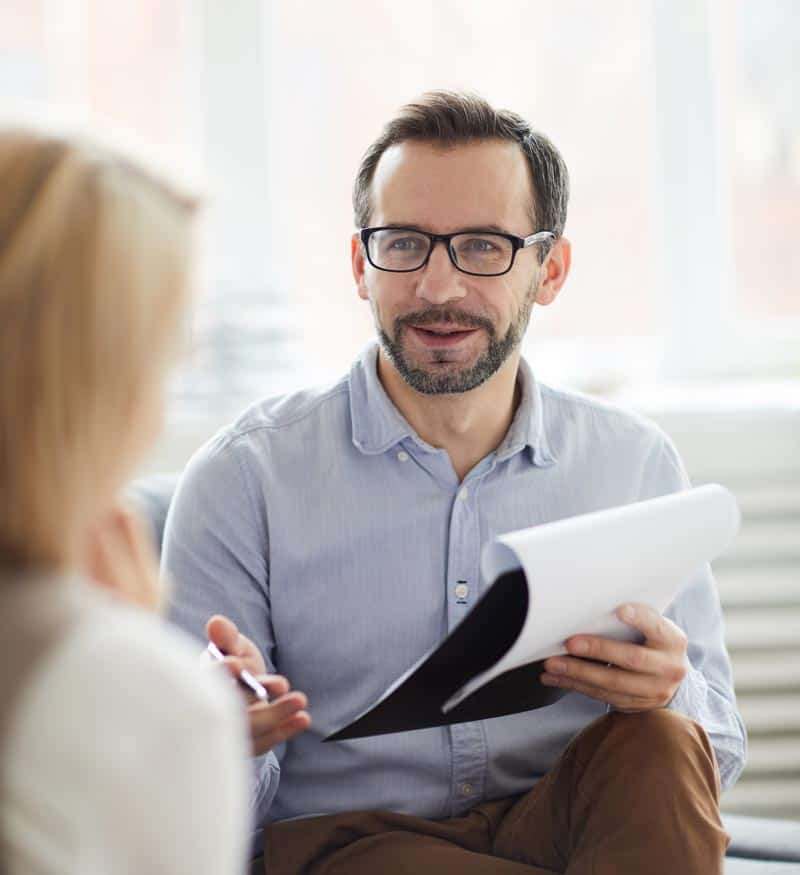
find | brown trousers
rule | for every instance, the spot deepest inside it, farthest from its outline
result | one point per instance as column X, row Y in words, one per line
column 632, row 793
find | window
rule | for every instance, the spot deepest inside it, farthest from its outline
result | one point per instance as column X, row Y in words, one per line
column 678, row 123
column 760, row 72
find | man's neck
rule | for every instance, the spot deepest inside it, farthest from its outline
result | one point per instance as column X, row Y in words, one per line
column 469, row 425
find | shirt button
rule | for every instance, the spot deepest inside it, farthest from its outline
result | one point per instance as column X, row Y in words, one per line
column 464, row 494
column 465, row 789
column 402, row 456
column 462, row 590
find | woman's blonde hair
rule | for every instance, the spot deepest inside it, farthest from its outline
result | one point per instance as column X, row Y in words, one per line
column 94, row 255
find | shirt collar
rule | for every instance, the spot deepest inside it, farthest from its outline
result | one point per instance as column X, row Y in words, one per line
column 528, row 426
column 378, row 424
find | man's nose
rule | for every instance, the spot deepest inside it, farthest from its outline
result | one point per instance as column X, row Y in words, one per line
column 440, row 280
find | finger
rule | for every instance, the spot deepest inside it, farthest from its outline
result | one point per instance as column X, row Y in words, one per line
column 611, row 680
column 119, row 559
column 136, row 538
column 112, row 560
column 123, row 521
column 138, row 535
column 633, row 657
column 120, row 528
column 658, row 631
column 225, row 634
column 267, row 716
column 275, row 684
column 233, row 665
column 297, row 720
column 296, row 724
column 620, row 701
column 95, row 561
column 140, row 527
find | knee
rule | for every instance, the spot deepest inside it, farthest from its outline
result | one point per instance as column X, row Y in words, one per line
column 660, row 731
column 660, row 739
column 650, row 771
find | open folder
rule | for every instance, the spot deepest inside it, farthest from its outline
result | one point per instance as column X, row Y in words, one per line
column 546, row 584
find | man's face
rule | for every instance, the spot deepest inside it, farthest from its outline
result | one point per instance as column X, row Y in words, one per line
column 446, row 331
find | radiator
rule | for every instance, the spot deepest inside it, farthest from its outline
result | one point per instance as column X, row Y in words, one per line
column 757, row 455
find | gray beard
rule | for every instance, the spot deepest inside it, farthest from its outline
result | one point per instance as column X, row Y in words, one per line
column 462, row 379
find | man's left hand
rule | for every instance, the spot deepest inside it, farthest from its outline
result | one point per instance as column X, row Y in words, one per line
column 635, row 677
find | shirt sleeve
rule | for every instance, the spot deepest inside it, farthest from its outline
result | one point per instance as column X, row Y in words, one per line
column 216, row 555
column 706, row 694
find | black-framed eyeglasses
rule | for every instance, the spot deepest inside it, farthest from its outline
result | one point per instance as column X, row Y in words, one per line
column 479, row 253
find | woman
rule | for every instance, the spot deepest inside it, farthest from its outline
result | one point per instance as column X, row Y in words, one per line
column 120, row 751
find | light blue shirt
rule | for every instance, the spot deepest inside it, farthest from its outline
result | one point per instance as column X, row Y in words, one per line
column 336, row 539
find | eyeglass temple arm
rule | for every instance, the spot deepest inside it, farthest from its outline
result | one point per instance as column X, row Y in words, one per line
column 538, row 237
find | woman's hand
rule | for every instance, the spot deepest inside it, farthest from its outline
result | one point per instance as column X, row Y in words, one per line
column 119, row 556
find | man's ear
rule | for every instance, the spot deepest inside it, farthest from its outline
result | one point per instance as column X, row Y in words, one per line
column 358, row 263
column 553, row 273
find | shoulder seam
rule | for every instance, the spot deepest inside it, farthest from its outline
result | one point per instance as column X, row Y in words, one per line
column 598, row 405
column 235, row 435
column 576, row 398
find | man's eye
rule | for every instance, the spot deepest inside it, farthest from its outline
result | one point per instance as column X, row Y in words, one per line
column 478, row 244
column 405, row 243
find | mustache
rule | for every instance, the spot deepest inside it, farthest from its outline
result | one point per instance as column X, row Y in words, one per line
column 440, row 316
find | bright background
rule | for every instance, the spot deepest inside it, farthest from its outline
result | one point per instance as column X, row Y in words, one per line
column 680, row 123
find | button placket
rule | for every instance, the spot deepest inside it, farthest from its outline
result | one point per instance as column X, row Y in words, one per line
column 467, row 739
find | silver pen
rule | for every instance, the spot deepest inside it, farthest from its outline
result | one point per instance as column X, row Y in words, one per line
column 244, row 677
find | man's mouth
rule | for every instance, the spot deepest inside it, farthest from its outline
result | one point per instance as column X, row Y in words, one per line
column 442, row 335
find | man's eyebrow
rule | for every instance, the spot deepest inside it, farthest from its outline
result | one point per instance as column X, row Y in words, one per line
column 403, row 226
column 470, row 229
column 490, row 227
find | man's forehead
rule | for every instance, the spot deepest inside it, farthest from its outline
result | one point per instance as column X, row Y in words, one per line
column 475, row 184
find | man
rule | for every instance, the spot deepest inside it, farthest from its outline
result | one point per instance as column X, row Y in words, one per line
column 341, row 530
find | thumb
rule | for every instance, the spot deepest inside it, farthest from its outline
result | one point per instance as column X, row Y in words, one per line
column 224, row 633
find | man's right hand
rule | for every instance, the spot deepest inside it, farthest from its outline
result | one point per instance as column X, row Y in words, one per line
column 284, row 716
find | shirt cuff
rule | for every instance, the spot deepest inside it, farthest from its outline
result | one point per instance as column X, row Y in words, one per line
column 691, row 695
column 265, row 772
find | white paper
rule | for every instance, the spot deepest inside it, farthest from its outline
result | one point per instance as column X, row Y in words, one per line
column 580, row 570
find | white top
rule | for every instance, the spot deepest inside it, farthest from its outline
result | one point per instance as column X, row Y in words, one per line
column 126, row 754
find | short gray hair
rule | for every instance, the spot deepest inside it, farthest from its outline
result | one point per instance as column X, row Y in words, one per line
column 448, row 118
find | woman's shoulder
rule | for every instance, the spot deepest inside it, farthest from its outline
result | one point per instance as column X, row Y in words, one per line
column 122, row 713
column 140, row 661
column 123, row 677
